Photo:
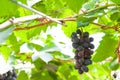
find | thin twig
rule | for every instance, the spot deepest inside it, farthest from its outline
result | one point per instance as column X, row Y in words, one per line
column 37, row 12
column 97, row 8
column 18, row 20
column 32, row 17
column 64, row 20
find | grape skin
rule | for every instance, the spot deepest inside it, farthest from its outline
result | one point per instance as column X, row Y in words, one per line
column 10, row 75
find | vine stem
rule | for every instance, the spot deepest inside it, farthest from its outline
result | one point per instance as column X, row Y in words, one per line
column 37, row 12
column 13, row 20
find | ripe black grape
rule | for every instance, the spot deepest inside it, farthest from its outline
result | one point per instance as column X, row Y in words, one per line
column 91, row 39
column 91, row 46
column 80, row 71
column 75, row 45
column 87, row 61
column 82, row 44
column 80, row 48
column 75, row 40
column 78, row 31
column 84, row 68
column 85, row 34
column 74, row 35
column 85, row 45
column 10, row 75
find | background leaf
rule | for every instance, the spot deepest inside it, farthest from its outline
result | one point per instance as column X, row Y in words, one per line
column 106, row 48
column 5, row 33
column 75, row 5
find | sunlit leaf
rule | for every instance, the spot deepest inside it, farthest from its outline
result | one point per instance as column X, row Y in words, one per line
column 22, row 75
column 106, row 48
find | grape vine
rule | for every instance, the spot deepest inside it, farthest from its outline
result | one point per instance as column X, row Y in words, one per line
column 82, row 44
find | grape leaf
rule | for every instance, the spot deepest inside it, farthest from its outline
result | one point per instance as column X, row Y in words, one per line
column 106, row 48
column 21, row 34
column 90, row 5
column 8, row 8
column 11, row 39
column 41, row 75
column 23, row 1
column 75, row 5
column 71, row 27
column 116, row 1
column 5, row 51
column 40, row 6
column 22, row 76
column 115, row 16
column 84, row 21
column 114, row 64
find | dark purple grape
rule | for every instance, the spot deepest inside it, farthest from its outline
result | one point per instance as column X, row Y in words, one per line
column 75, row 40
column 80, row 71
column 14, row 73
column 75, row 45
column 87, row 57
column 81, row 61
column 80, row 48
column 74, row 35
column 89, row 51
column 85, row 34
column 91, row 39
column 81, row 41
column 78, row 31
column 85, row 45
column 84, row 68
column 91, row 46
column 9, row 73
column 87, row 61
column 76, row 57
column 76, row 66
column 86, row 39
column 81, row 54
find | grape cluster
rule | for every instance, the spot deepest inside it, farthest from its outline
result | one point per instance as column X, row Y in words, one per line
column 10, row 75
column 82, row 44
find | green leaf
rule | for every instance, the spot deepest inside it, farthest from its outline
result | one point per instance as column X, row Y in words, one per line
column 12, row 39
column 64, row 70
column 36, row 46
column 23, row 1
column 22, row 35
column 84, row 21
column 33, row 32
column 114, row 64
column 5, row 51
column 40, row 6
column 41, row 75
column 115, row 16
column 71, row 27
column 90, row 5
column 106, row 48
column 75, row 5
column 22, row 76
column 8, row 8
column 5, row 33
column 116, row 1
column 96, row 13
column 39, row 63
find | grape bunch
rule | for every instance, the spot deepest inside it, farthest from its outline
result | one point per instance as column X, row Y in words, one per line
column 10, row 75
column 83, row 46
